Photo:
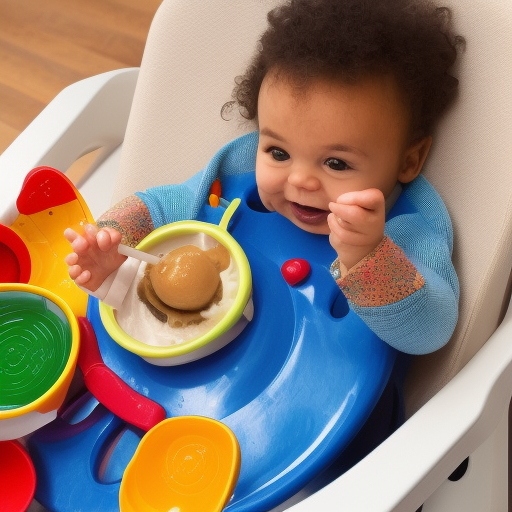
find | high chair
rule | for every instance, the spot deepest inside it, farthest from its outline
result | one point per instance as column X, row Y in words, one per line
column 162, row 123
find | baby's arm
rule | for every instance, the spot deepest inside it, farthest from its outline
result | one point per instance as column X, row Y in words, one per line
column 406, row 289
column 96, row 254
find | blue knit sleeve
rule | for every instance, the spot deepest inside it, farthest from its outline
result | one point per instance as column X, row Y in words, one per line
column 425, row 320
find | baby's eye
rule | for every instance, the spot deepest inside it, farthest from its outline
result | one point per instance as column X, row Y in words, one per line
column 279, row 154
column 336, row 164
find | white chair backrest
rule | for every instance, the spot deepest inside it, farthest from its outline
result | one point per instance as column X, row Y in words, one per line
column 471, row 166
column 194, row 50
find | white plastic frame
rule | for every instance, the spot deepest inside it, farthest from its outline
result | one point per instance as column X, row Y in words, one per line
column 88, row 115
column 404, row 471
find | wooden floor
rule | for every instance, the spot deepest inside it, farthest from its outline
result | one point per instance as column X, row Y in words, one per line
column 46, row 45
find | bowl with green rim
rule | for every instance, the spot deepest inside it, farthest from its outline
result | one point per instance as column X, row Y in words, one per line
column 39, row 341
column 237, row 313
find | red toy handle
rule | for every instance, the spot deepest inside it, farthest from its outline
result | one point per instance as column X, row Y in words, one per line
column 44, row 188
column 111, row 390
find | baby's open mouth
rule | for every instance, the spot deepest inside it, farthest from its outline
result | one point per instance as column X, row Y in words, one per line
column 308, row 208
column 309, row 214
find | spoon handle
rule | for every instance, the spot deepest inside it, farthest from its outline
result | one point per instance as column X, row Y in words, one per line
column 138, row 255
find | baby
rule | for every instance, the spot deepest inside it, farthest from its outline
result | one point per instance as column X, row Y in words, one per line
column 346, row 94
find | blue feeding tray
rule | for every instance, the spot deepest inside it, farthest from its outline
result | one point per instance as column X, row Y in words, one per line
column 295, row 386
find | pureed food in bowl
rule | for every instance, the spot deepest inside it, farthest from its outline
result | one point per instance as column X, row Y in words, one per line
column 185, row 283
column 182, row 297
column 138, row 330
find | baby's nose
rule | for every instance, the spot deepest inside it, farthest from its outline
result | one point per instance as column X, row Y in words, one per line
column 303, row 176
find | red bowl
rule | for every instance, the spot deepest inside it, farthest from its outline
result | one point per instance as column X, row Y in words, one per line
column 16, row 266
column 18, row 477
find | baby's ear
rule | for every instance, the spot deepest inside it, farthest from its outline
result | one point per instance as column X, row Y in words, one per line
column 414, row 158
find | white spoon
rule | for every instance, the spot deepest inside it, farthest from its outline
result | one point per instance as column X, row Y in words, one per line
column 126, row 250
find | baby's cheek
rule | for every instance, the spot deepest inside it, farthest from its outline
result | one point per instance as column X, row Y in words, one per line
column 269, row 183
column 270, row 187
column 266, row 200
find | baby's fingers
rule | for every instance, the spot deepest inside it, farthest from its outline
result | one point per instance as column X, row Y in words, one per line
column 80, row 245
column 350, row 217
column 369, row 199
column 83, row 278
column 71, row 259
column 70, row 235
column 344, row 232
column 79, row 275
column 334, row 225
column 108, row 238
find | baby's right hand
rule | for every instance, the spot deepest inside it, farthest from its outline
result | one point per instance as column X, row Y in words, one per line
column 95, row 255
column 357, row 225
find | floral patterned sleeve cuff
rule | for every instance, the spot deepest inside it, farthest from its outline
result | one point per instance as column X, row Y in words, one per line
column 131, row 218
column 383, row 277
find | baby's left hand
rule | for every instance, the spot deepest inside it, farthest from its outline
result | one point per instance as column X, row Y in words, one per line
column 357, row 225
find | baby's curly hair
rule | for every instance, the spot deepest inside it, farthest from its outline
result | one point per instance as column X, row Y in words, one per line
column 353, row 39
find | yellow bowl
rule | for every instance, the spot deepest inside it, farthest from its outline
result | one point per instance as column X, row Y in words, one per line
column 38, row 354
column 232, row 323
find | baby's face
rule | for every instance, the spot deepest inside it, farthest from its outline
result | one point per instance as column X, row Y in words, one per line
column 319, row 143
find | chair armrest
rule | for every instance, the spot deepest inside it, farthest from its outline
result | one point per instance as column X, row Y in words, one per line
column 401, row 473
column 87, row 115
